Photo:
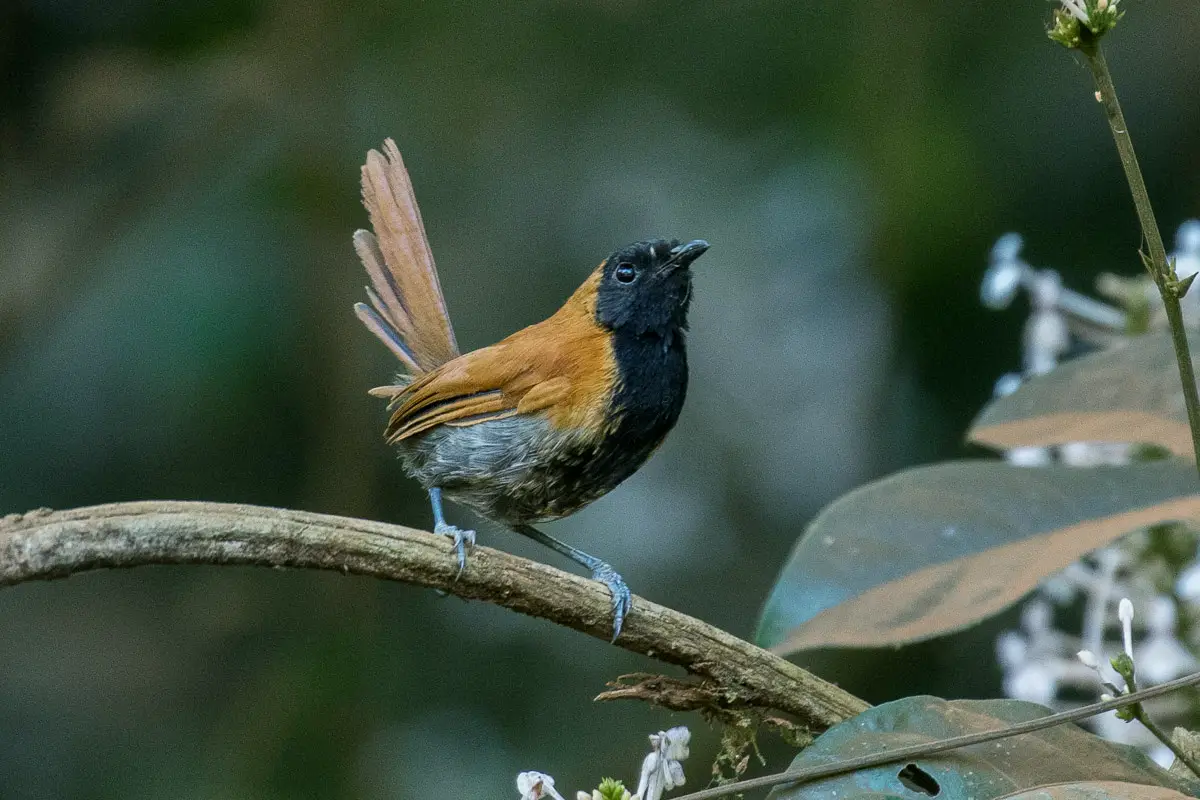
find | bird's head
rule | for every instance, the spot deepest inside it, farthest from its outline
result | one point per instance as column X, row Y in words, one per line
column 646, row 287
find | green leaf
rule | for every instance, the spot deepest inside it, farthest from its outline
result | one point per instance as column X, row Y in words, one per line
column 935, row 549
column 1065, row 754
column 1128, row 393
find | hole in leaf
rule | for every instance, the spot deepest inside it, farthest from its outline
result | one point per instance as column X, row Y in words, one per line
column 916, row 779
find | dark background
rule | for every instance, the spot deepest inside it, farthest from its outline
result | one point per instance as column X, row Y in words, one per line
column 178, row 186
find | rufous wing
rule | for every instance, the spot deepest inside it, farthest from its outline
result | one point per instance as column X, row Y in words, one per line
column 407, row 310
column 473, row 388
column 561, row 368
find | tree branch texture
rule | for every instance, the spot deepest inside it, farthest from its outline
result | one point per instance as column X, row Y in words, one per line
column 44, row 544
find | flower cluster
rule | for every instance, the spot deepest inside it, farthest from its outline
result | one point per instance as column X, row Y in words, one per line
column 1062, row 321
column 1092, row 661
column 1072, row 17
column 535, row 785
column 1159, row 570
column 662, row 770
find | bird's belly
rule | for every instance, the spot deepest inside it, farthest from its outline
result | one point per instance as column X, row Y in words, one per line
column 521, row 469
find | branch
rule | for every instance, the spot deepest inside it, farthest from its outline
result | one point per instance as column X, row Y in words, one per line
column 45, row 544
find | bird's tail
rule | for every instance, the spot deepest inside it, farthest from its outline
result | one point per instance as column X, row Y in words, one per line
column 407, row 310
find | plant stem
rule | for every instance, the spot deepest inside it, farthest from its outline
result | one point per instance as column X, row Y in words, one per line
column 1123, row 664
column 1144, row 718
column 1160, row 269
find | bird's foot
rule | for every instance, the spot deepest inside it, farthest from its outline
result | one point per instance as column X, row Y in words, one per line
column 621, row 598
column 462, row 540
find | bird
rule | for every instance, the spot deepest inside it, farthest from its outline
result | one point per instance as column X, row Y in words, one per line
column 551, row 418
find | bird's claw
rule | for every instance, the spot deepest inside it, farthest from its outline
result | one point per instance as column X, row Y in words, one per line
column 621, row 598
column 462, row 540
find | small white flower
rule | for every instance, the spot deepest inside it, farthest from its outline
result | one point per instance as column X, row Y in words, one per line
column 1034, row 682
column 1007, row 384
column 1005, row 274
column 1000, row 285
column 661, row 769
column 1094, row 454
column 1088, row 659
column 1125, row 614
column 1187, row 248
column 536, row 785
column 1187, row 585
column 1077, row 9
column 1187, row 259
column 1037, row 618
column 1011, row 650
column 1163, row 657
column 1028, row 456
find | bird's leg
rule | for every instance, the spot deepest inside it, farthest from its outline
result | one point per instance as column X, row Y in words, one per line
column 601, row 571
column 462, row 539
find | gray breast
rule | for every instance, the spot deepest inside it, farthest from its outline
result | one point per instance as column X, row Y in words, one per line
column 507, row 469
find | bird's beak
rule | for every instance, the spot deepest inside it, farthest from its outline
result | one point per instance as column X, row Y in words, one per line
column 685, row 254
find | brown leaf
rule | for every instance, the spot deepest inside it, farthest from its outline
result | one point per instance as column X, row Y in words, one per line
column 1097, row 790
column 1128, row 393
column 950, row 596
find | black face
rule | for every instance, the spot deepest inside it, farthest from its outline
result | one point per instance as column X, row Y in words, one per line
column 646, row 287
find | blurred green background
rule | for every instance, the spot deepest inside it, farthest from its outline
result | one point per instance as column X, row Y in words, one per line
column 178, row 186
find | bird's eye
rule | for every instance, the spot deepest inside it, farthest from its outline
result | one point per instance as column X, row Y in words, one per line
column 625, row 273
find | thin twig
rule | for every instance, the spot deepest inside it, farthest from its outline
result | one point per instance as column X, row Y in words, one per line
column 1124, row 666
column 1162, row 271
column 1162, row 736
column 54, row 544
column 912, row 752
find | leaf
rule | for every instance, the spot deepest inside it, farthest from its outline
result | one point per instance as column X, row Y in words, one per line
column 1099, row 790
column 1065, row 754
column 1128, row 393
column 934, row 549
